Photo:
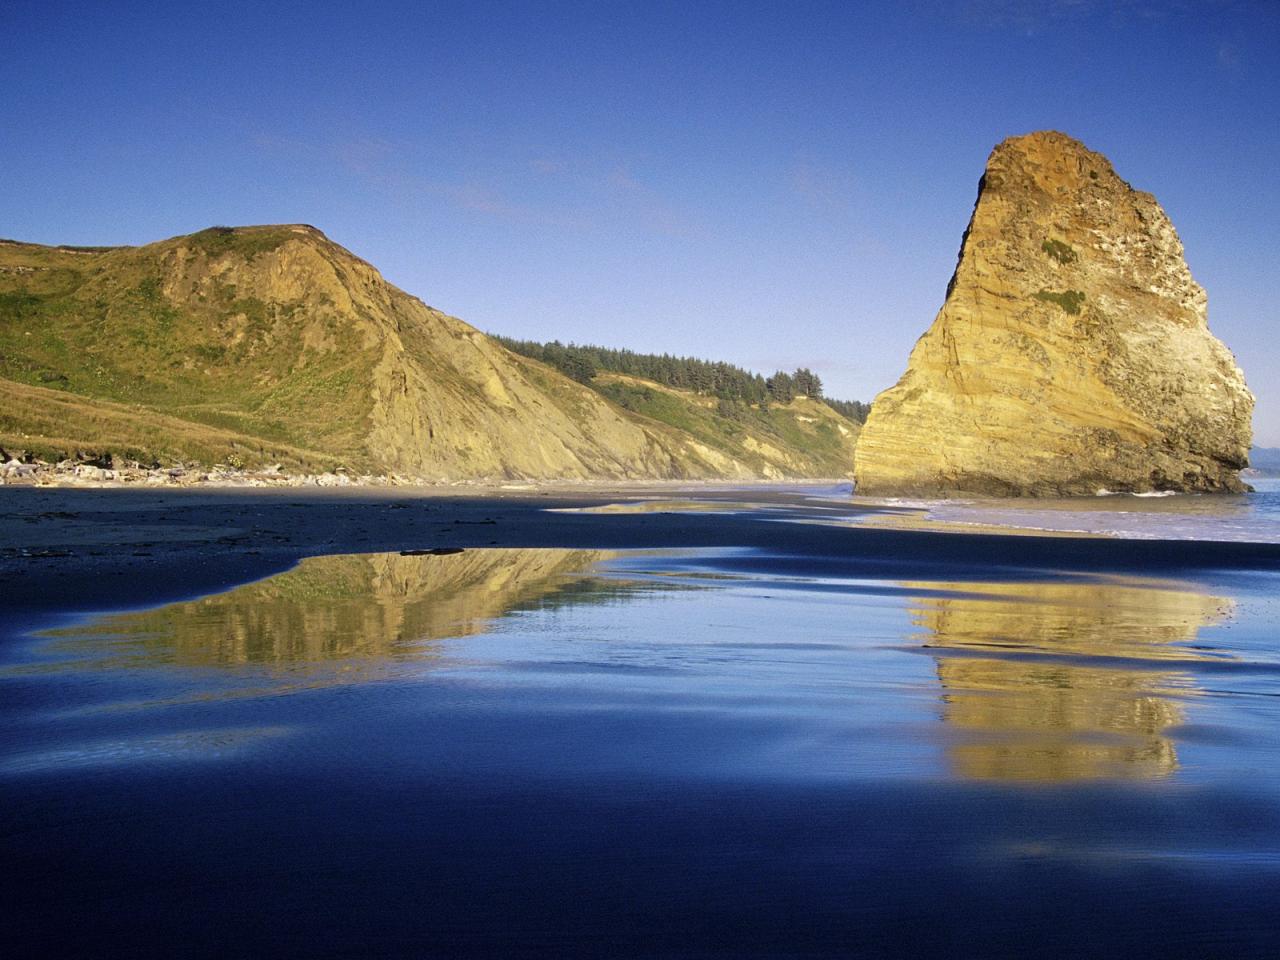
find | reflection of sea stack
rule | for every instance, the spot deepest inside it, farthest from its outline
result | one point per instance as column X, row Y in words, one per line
column 1072, row 352
column 1046, row 703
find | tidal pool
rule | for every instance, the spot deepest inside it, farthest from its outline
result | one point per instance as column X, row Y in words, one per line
column 685, row 753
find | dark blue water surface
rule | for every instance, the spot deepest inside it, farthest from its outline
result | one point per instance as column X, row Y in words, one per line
column 578, row 753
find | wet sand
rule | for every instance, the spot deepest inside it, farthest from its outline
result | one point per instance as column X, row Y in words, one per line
column 72, row 549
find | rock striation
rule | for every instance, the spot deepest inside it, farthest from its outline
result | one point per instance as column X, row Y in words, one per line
column 1072, row 353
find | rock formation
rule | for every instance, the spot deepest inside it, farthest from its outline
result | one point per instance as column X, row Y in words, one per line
column 1072, row 352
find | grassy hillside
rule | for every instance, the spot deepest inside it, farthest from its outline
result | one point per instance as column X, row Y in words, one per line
column 54, row 425
column 260, row 345
column 724, row 381
column 132, row 326
column 801, row 438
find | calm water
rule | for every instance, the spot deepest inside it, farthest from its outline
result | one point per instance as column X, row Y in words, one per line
column 548, row 752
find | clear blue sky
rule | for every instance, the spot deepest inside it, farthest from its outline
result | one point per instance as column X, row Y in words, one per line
column 770, row 184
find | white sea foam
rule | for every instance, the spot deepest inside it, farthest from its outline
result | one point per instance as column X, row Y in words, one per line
column 1248, row 518
column 1253, row 517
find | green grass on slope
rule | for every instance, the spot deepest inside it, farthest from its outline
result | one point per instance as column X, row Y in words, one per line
column 100, row 326
column 248, row 243
column 53, row 425
column 817, row 447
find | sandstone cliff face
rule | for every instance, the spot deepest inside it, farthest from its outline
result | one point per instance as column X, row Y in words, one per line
column 1072, row 353
column 272, row 344
column 434, row 398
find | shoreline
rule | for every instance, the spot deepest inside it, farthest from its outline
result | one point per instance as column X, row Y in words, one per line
column 69, row 549
column 15, row 473
column 92, row 475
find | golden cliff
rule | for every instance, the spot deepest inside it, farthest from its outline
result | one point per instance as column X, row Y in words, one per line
column 1072, row 352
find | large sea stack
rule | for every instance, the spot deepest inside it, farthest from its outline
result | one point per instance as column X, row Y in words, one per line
column 1072, row 353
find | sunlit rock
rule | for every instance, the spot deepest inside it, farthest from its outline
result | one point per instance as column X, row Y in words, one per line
column 1072, row 352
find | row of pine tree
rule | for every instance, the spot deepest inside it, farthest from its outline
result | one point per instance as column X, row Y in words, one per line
column 725, row 381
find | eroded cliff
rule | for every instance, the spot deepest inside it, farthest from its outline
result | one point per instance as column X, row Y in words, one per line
column 274, row 345
column 1072, row 352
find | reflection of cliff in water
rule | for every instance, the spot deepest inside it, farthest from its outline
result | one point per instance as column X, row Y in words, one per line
column 352, row 607
column 1064, row 681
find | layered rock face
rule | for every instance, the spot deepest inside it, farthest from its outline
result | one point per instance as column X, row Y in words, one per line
column 1072, row 353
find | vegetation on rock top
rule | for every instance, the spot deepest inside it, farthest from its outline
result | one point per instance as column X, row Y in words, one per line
column 1062, row 252
column 1069, row 300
